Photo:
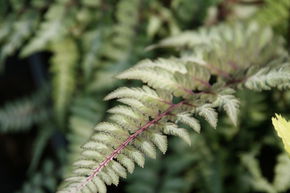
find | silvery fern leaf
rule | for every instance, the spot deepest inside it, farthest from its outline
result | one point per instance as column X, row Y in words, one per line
column 269, row 77
column 170, row 97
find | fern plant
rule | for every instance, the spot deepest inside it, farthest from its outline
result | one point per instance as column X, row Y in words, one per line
column 90, row 41
column 177, row 91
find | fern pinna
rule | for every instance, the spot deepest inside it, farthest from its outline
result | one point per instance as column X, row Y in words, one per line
column 176, row 92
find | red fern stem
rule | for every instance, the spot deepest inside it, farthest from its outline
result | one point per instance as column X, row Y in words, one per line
column 131, row 138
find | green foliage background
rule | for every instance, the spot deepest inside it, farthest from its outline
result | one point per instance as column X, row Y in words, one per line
column 91, row 41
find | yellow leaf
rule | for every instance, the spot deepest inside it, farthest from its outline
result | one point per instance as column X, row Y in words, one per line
column 283, row 130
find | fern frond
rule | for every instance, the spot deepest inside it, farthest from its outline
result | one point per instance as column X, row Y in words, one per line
column 63, row 67
column 144, row 94
column 17, row 34
column 218, row 47
column 162, row 76
column 172, row 129
column 52, row 28
column 41, row 140
column 187, row 12
column 117, row 49
column 270, row 77
column 184, row 91
column 230, row 104
column 165, row 79
column 185, row 118
column 186, row 39
column 208, row 112
column 85, row 111
column 162, row 20
column 21, row 114
column 128, row 139
column 92, row 44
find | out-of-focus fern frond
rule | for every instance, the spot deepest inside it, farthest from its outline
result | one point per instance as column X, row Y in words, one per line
column 162, row 16
column 85, row 112
column 275, row 13
column 92, row 42
column 186, row 10
column 54, row 26
column 22, row 114
column 117, row 49
column 14, row 36
column 42, row 138
column 64, row 65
